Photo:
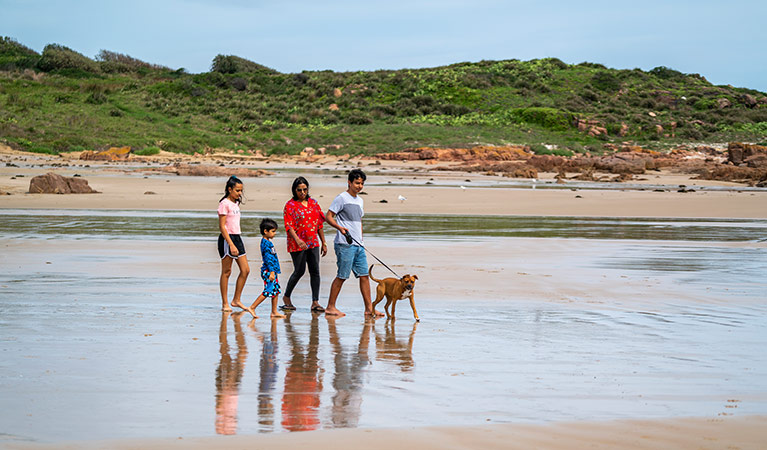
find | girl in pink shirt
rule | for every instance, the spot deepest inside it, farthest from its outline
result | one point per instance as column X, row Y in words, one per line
column 230, row 245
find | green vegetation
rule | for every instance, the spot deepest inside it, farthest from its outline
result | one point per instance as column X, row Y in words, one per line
column 61, row 101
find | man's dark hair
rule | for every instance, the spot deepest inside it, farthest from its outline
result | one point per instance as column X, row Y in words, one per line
column 267, row 224
column 357, row 173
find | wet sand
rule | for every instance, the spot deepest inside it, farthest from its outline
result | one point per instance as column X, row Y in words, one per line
column 112, row 337
column 542, row 331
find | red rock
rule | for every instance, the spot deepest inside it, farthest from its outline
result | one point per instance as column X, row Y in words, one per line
column 52, row 183
column 113, row 154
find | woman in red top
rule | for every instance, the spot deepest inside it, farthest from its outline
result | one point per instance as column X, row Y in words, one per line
column 303, row 222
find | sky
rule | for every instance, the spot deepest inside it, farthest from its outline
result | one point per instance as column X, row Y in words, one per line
column 723, row 41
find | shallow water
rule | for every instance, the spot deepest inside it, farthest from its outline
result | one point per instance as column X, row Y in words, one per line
column 106, row 332
column 127, row 224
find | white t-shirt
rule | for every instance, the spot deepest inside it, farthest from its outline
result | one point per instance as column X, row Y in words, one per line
column 349, row 211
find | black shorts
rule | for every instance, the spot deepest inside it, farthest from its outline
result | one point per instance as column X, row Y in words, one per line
column 223, row 246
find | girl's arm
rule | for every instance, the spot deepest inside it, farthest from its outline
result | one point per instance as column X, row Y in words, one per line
column 222, row 228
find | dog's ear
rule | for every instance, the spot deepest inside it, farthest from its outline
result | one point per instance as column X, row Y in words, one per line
column 415, row 276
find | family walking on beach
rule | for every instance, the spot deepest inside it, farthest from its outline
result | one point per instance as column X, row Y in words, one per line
column 304, row 222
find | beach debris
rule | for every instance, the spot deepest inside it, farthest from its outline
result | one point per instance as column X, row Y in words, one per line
column 52, row 183
column 401, row 198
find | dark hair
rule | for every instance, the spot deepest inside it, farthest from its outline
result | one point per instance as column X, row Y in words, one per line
column 296, row 182
column 267, row 224
column 230, row 184
column 357, row 173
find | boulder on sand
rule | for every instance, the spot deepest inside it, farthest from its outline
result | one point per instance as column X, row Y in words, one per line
column 51, row 183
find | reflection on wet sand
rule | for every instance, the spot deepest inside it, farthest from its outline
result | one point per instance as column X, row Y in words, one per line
column 303, row 382
column 347, row 380
column 229, row 375
column 388, row 348
column 268, row 376
column 307, row 361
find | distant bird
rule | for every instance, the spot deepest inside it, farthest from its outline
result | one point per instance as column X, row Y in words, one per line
column 535, row 180
column 401, row 198
column 463, row 187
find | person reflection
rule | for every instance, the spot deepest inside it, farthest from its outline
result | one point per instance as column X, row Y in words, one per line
column 388, row 348
column 348, row 376
column 268, row 377
column 229, row 375
column 303, row 383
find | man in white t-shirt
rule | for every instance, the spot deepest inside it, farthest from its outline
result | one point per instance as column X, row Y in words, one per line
column 345, row 215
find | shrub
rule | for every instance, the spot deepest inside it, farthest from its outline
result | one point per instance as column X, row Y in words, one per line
column 550, row 118
column 239, row 83
column 665, row 73
column 235, row 64
column 113, row 62
column 592, row 65
column 148, row 151
column 11, row 47
column 14, row 56
column 58, row 57
column 606, row 81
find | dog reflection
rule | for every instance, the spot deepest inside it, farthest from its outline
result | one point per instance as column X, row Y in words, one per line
column 388, row 348
column 229, row 375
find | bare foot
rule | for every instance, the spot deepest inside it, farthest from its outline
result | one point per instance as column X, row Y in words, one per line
column 334, row 312
column 278, row 316
column 375, row 313
column 252, row 313
column 238, row 304
column 226, row 308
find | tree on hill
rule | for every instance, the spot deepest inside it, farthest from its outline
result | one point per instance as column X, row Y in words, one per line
column 112, row 62
column 57, row 57
column 235, row 64
column 14, row 55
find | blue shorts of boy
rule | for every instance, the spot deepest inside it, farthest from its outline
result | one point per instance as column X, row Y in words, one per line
column 271, row 287
column 350, row 258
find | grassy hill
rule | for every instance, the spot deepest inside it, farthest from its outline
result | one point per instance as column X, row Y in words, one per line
column 60, row 101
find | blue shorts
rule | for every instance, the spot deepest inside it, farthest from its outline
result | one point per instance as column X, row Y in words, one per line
column 350, row 258
column 271, row 287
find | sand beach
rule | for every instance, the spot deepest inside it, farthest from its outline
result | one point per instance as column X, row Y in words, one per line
column 577, row 315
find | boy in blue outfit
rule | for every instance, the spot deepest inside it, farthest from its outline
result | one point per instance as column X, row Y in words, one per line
column 269, row 269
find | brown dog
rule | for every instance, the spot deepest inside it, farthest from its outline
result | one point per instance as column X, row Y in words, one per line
column 394, row 290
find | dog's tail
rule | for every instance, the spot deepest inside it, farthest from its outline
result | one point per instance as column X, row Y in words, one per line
column 370, row 272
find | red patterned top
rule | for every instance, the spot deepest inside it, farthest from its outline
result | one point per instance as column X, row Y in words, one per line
column 305, row 220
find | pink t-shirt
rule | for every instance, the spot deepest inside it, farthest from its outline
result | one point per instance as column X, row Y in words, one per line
column 231, row 210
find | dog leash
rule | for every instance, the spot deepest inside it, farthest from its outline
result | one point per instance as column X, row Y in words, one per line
column 349, row 239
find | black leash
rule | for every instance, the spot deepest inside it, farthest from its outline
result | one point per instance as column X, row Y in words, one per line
column 349, row 239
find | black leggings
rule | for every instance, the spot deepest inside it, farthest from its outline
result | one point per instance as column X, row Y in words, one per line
column 309, row 257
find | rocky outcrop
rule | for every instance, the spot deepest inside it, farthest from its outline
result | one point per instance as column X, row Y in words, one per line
column 199, row 170
column 52, row 183
column 482, row 152
column 751, row 155
column 741, row 163
column 113, row 154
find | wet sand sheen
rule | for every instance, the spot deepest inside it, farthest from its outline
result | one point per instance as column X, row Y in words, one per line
column 119, row 335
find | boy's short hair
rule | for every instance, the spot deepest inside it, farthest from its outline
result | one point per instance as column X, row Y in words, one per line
column 357, row 173
column 267, row 224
